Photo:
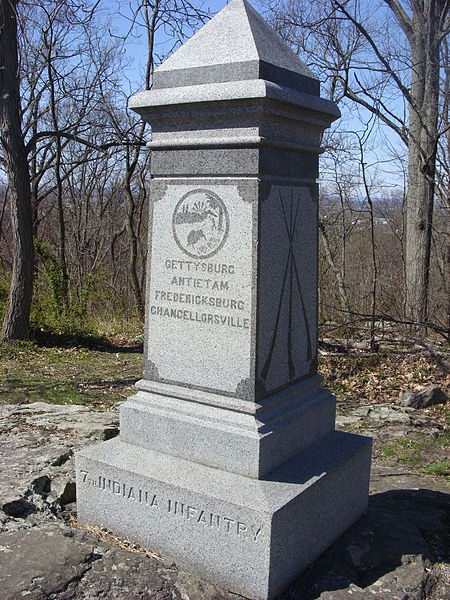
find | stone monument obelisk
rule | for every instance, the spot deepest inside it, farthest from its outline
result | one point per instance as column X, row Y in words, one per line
column 228, row 461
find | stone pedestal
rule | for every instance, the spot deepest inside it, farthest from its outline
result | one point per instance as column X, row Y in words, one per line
column 228, row 460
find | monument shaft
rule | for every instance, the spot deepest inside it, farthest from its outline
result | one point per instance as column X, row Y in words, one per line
column 228, row 460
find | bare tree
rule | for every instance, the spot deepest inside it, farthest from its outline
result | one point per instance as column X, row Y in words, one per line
column 15, row 324
column 391, row 51
column 425, row 25
column 175, row 18
column 64, row 107
column 59, row 107
column 368, row 194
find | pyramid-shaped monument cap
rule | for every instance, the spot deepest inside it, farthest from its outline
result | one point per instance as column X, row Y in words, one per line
column 237, row 44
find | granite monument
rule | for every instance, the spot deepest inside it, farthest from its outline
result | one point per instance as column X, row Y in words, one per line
column 228, row 461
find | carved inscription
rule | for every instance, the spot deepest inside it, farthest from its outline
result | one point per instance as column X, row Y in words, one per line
column 211, row 520
column 192, row 288
column 196, row 515
column 121, row 489
column 200, row 223
column 200, row 291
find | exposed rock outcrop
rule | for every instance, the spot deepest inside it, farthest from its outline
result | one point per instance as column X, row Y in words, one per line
column 423, row 398
column 397, row 550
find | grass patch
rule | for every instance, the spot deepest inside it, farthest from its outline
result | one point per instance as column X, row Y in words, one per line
column 427, row 455
column 67, row 375
column 442, row 469
column 403, row 451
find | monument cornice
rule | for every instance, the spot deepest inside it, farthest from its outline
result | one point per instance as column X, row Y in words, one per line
column 231, row 142
column 146, row 103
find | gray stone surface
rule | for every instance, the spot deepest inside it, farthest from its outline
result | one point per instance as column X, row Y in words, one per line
column 388, row 554
column 228, row 456
column 204, row 304
column 249, row 90
column 423, row 398
column 398, row 549
column 37, row 445
column 79, row 421
column 287, row 286
column 253, row 438
column 34, row 576
column 54, row 562
column 239, row 532
column 238, row 34
column 259, row 114
column 236, row 45
column 387, row 420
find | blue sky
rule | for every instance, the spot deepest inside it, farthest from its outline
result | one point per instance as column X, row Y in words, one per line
column 383, row 142
column 136, row 45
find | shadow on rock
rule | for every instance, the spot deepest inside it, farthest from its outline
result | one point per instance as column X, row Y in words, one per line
column 19, row 509
column 390, row 552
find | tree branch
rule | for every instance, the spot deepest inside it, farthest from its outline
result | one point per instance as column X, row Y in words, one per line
column 75, row 138
column 378, row 54
column 402, row 17
column 349, row 93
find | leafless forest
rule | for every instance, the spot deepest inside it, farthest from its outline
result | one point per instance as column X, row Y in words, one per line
column 75, row 171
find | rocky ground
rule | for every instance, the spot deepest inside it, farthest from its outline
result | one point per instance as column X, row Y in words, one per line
column 398, row 550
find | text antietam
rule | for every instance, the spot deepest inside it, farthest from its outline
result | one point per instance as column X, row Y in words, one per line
column 202, row 517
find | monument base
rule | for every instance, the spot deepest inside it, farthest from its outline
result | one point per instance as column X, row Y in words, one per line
column 249, row 438
column 250, row 536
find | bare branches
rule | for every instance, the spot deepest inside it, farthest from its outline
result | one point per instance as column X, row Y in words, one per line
column 31, row 145
column 360, row 27
column 400, row 130
column 389, row 70
column 402, row 17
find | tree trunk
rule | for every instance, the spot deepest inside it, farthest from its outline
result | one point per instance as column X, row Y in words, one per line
column 419, row 215
column 129, row 226
column 16, row 320
column 343, row 298
column 422, row 146
column 49, row 41
column 137, row 290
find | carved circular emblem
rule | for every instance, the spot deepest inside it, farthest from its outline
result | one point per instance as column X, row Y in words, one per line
column 200, row 223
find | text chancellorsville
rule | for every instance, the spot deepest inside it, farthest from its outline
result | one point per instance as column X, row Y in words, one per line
column 200, row 317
